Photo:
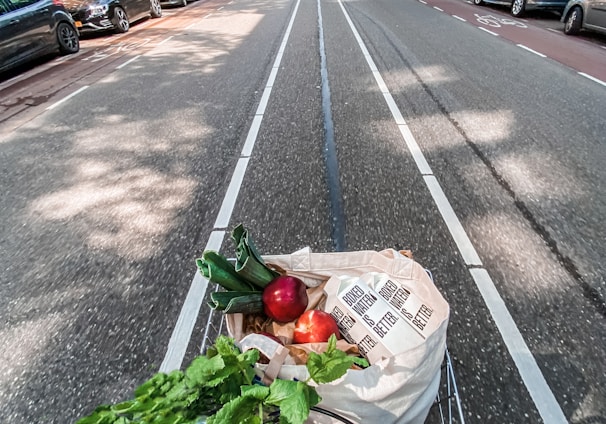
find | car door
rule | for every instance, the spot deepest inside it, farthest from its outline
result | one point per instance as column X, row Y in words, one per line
column 9, row 36
column 135, row 9
column 596, row 13
column 29, row 27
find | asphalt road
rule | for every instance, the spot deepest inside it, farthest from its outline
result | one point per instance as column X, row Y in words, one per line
column 109, row 195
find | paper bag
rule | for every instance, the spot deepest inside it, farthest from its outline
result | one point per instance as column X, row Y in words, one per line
column 396, row 389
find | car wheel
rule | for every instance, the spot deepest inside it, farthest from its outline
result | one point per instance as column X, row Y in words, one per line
column 478, row 2
column 574, row 20
column 155, row 8
column 518, row 7
column 120, row 20
column 68, row 39
column 184, row 3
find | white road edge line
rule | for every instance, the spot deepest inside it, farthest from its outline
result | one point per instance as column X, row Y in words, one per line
column 190, row 26
column 530, row 50
column 593, row 78
column 166, row 40
column 539, row 390
column 489, row 31
column 128, row 61
column 179, row 339
column 181, row 335
column 66, row 98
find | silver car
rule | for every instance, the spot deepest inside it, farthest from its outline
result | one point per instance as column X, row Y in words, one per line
column 584, row 14
column 519, row 7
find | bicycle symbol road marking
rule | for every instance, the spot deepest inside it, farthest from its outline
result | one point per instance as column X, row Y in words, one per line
column 497, row 22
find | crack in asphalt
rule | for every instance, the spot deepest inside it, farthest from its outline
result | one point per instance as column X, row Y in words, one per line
column 589, row 292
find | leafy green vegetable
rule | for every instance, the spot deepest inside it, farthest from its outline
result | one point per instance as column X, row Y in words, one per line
column 332, row 364
column 217, row 269
column 231, row 302
column 221, row 386
column 249, row 263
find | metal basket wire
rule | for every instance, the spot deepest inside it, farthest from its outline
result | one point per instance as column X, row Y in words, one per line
column 447, row 407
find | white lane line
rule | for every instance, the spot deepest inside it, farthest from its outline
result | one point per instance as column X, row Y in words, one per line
column 179, row 341
column 422, row 1
column 530, row 372
column 554, row 30
column 468, row 252
column 184, row 327
column 489, row 31
column 252, row 136
column 438, row 9
column 66, row 98
column 229, row 201
column 459, row 18
column 167, row 39
column 593, row 78
column 221, row 8
column 539, row 390
column 530, row 50
column 415, row 150
column 207, row 16
column 128, row 62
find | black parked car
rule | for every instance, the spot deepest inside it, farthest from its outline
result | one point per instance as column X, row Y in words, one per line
column 116, row 15
column 34, row 28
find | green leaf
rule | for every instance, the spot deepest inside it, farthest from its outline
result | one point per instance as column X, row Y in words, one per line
column 226, row 346
column 294, row 398
column 330, row 365
column 239, row 410
column 256, row 391
column 151, row 385
column 101, row 415
column 202, row 369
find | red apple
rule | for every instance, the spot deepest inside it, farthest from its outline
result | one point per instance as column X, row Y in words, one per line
column 285, row 298
column 315, row 326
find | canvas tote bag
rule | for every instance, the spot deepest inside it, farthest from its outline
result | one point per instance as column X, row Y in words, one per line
column 397, row 389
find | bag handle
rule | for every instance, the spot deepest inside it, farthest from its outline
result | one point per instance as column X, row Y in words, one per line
column 275, row 363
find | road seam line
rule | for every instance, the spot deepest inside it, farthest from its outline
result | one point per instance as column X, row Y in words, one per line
column 181, row 335
column 532, row 377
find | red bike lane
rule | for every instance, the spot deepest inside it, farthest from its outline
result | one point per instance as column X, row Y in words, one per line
column 586, row 58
